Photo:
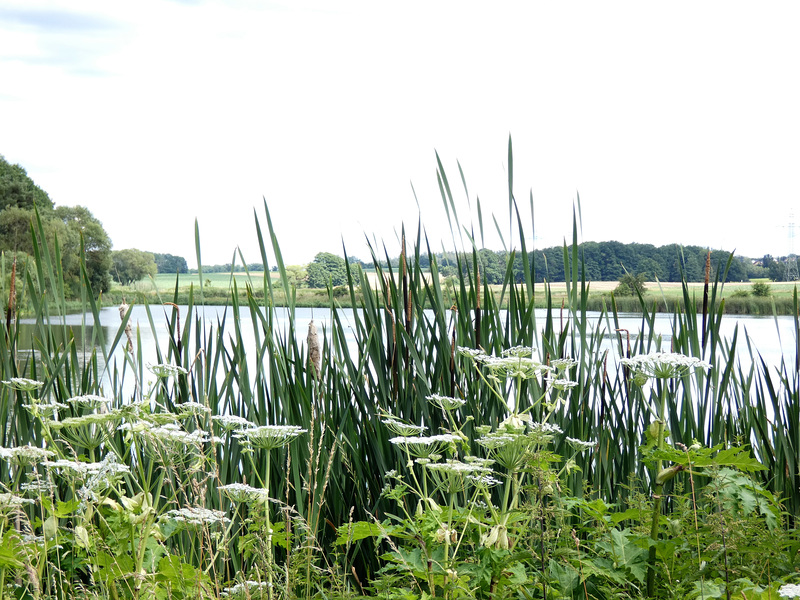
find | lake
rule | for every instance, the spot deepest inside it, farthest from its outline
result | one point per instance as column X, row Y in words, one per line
column 770, row 336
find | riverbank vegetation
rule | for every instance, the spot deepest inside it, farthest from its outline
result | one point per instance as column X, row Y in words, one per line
column 431, row 446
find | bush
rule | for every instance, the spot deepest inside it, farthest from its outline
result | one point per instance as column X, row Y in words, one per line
column 630, row 285
column 761, row 289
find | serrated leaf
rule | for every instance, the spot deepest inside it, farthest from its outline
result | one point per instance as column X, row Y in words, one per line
column 626, row 553
column 352, row 532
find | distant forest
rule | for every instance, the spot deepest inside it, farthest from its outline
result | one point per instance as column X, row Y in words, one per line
column 604, row 261
column 608, row 261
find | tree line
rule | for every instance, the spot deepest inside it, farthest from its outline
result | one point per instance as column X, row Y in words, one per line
column 602, row 261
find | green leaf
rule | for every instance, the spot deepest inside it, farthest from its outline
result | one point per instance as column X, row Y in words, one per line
column 632, row 514
column 10, row 548
column 352, row 532
column 566, row 575
column 625, row 553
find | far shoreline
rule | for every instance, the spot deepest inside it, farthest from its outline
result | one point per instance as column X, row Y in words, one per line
column 659, row 296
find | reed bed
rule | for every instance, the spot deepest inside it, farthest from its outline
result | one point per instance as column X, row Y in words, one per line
column 410, row 334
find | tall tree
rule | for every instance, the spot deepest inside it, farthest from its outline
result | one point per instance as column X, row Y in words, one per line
column 84, row 232
column 169, row 263
column 326, row 268
column 19, row 190
column 131, row 265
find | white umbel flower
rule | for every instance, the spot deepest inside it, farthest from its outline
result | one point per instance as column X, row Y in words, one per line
column 197, row 516
column 25, row 455
column 790, row 590
column 664, row 365
column 269, row 437
column 23, row 384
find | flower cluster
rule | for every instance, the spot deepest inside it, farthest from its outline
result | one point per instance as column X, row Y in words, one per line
column 560, row 384
column 241, row 492
column 400, row 428
column 446, row 403
column 231, row 422
column 23, row 384
column 423, row 447
column 87, row 420
column 453, row 475
column 89, row 401
column 25, row 455
column 664, row 365
column 247, row 589
column 790, row 590
column 196, row 516
column 269, row 437
column 166, row 370
column 103, row 476
column 44, row 409
column 562, row 365
column 580, row 445
column 10, row 501
column 188, row 409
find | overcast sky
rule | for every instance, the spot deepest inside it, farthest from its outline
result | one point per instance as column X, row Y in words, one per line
column 675, row 122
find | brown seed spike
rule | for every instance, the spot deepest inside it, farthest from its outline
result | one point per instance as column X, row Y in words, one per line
column 314, row 352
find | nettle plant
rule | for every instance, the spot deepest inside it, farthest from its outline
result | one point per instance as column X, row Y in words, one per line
column 473, row 516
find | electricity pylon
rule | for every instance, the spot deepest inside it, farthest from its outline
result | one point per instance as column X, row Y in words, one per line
column 792, row 273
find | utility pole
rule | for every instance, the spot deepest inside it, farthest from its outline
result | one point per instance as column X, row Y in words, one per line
column 791, row 260
column 792, row 273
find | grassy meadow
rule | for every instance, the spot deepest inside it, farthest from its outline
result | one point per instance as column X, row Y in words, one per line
column 455, row 450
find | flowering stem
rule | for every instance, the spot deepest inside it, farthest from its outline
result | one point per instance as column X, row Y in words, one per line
column 507, row 492
column 657, row 490
column 451, row 504
column 269, row 531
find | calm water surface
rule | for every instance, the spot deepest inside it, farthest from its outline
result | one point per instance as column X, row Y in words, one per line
column 772, row 338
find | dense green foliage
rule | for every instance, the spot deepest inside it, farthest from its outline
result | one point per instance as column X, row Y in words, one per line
column 132, row 265
column 605, row 261
column 169, row 263
column 761, row 289
column 17, row 190
column 84, row 236
column 326, row 269
column 631, row 285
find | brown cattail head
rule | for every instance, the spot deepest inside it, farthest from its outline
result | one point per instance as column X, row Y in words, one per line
column 123, row 310
column 705, row 297
column 12, row 295
column 314, row 351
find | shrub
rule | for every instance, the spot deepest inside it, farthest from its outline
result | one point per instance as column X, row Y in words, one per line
column 761, row 289
column 630, row 285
